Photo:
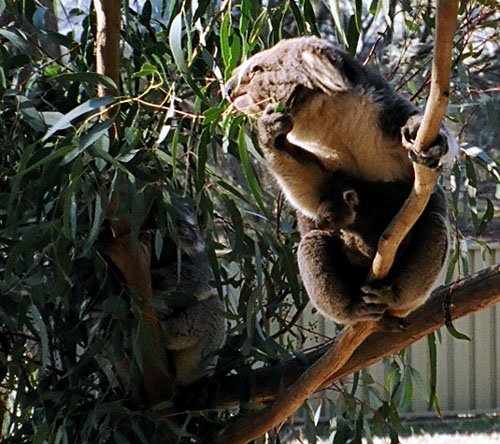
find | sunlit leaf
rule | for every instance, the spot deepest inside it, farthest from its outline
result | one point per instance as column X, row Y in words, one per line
column 85, row 108
column 175, row 39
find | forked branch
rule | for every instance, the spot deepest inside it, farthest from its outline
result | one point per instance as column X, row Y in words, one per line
column 466, row 296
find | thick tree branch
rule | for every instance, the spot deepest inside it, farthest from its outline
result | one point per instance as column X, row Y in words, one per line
column 108, row 18
column 471, row 294
column 425, row 179
column 136, row 270
column 294, row 396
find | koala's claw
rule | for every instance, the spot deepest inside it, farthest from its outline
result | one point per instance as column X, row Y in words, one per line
column 378, row 294
column 432, row 155
column 363, row 311
column 392, row 323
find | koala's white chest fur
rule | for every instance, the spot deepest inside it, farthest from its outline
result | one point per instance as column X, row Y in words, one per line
column 343, row 132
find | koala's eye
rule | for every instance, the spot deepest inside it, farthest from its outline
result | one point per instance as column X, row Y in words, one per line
column 255, row 69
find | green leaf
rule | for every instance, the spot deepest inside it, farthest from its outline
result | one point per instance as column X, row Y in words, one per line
column 31, row 237
column 482, row 158
column 90, row 78
column 147, row 70
column 84, row 108
column 337, row 20
column 18, row 41
column 175, row 40
column 310, row 17
column 431, row 343
column 87, row 139
column 352, row 35
column 243, row 142
column 41, row 435
column 39, row 324
column 455, row 333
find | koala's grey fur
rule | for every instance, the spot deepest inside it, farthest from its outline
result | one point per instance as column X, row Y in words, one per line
column 340, row 116
column 194, row 327
column 351, row 217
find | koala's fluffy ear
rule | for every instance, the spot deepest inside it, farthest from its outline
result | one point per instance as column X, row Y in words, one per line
column 327, row 71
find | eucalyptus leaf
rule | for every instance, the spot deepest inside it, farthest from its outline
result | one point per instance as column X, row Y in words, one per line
column 175, row 40
column 90, row 78
column 85, row 108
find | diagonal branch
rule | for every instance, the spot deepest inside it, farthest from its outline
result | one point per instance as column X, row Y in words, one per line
column 469, row 295
column 294, row 396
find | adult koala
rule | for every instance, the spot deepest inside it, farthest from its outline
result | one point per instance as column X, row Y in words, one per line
column 193, row 325
column 340, row 116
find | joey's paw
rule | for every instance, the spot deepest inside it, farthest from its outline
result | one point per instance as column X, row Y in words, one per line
column 273, row 124
column 378, row 294
column 432, row 155
column 362, row 311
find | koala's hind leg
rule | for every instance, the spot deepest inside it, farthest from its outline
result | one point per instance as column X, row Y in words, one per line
column 415, row 273
column 331, row 283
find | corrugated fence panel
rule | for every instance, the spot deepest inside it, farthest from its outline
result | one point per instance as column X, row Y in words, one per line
column 468, row 372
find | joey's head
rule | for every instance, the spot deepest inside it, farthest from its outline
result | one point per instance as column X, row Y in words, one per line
column 338, row 210
column 288, row 72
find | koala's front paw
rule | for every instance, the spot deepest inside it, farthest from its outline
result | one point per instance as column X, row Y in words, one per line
column 430, row 157
column 377, row 293
column 273, row 126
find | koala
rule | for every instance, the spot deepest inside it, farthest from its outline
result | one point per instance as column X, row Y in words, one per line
column 340, row 116
column 358, row 212
column 192, row 322
column 335, row 258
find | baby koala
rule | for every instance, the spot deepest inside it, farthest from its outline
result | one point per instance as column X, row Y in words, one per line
column 358, row 212
column 193, row 325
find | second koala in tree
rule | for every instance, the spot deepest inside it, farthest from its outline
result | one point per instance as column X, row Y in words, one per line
column 193, row 325
column 340, row 116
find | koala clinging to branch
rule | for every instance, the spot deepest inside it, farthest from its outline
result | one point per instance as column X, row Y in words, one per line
column 351, row 217
column 339, row 116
